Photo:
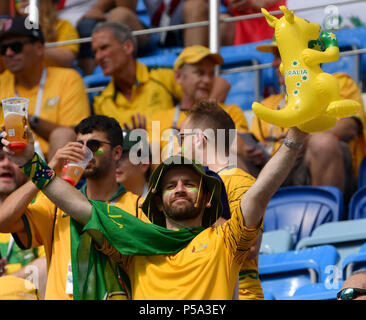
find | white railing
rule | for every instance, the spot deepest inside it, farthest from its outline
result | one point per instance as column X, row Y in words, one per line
column 213, row 24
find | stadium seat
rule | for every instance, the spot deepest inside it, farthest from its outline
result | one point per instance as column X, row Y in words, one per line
column 268, row 296
column 357, row 204
column 354, row 262
column 300, row 209
column 283, row 273
column 362, row 174
column 243, row 90
column 276, row 241
column 317, row 291
column 346, row 236
column 348, row 39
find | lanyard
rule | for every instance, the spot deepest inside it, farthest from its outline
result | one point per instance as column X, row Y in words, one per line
column 42, row 82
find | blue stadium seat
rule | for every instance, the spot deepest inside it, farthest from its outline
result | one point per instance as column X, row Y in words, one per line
column 362, row 174
column 348, row 39
column 354, row 262
column 268, row 296
column 276, row 241
column 283, row 273
column 243, row 90
column 346, row 236
column 357, row 204
column 300, row 209
column 317, row 291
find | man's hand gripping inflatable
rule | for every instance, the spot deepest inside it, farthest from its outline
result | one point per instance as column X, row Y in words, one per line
column 313, row 101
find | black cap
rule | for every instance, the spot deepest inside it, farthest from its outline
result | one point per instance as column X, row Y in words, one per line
column 18, row 26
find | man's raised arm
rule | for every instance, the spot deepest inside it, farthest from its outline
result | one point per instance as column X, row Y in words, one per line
column 61, row 193
column 255, row 200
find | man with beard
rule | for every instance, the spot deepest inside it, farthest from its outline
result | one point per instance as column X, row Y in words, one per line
column 42, row 223
column 180, row 256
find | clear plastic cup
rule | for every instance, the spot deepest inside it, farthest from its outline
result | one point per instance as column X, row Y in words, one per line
column 15, row 118
column 72, row 171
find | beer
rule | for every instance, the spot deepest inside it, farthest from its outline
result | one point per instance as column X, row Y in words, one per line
column 14, row 126
column 72, row 173
column 15, row 119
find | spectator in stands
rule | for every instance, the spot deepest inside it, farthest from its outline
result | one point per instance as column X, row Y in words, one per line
column 194, row 71
column 15, row 261
column 54, row 30
column 57, row 96
column 46, row 223
column 133, row 169
column 201, row 119
column 242, row 31
column 134, row 88
column 251, row 30
column 109, row 10
column 326, row 158
column 180, row 196
column 354, row 287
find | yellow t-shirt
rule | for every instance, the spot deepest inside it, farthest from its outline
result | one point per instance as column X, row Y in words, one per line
column 18, row 258
column 66, row 31
column 162, row 129
column 348, row 89
column 64, row 100
column 206, row 269
column 237, row 182
column 154, row 90
column 44, row 224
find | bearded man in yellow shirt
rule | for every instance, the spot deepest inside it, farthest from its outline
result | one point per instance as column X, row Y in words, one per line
column 40, row 222
column 332, row 157
column 57, row 96
column 200, row 261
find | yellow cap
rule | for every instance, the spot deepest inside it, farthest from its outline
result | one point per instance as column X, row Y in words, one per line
column 15, row 288
column 271, row 47
column 194, row 54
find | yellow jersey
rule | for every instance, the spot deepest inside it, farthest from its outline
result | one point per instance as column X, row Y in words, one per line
column 206, row 269
column 154, row 89
column 237, row 182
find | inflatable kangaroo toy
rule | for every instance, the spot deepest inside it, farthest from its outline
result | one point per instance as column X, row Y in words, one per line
column 313, row 101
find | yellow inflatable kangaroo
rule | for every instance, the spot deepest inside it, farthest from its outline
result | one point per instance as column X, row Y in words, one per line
column 313, row 101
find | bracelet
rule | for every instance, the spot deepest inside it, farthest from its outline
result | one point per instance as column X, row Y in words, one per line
column 38, row 171
column 292, row 145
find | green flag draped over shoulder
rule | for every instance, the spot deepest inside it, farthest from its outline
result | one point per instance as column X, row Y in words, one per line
column 94, row 274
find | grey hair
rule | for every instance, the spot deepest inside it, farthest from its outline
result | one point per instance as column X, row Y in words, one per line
column 120, row 31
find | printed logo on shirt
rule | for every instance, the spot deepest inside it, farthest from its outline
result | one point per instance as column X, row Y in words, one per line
column 53, row 102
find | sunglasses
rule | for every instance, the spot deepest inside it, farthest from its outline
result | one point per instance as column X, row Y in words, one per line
column 15, row 46
column 94, row 144
column 350, row 293
column 180, row 137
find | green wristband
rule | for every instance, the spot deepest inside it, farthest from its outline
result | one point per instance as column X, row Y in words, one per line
column 38, row 171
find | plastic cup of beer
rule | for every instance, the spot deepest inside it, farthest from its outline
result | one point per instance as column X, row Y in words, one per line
column 72, row 171
column 15, row 118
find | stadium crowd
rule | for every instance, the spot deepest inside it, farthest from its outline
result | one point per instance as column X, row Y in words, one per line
column 201, row 213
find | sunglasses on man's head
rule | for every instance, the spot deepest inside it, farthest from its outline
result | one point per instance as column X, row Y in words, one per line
column 94, row 144
column 350, row 293
column 15, row 46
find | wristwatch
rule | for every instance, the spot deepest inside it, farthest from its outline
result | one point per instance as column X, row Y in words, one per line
column 33, row 122
column 292, row 145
